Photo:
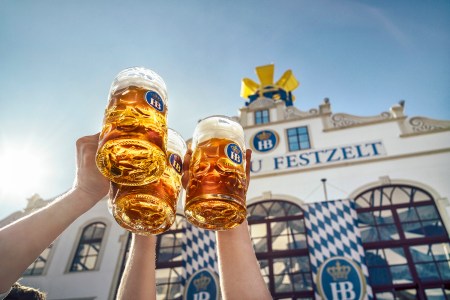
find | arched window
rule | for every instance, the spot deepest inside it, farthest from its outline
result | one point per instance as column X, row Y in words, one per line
column 38, row 266
column 406, row 244
column 278, row 233
column 86, row 255
column 169, row 265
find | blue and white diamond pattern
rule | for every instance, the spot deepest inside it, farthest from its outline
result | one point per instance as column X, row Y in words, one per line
column 198, row 251
column 332, row 230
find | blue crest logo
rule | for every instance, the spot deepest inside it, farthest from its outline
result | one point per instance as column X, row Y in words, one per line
column 234, row 153
column 154, row 100
column 265, row 140
column 176, row 162
column 341, row 278
column 202, row 285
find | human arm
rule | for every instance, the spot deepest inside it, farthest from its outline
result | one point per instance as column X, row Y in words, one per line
column 139, row 279
column 240, row 275
column 25, row 239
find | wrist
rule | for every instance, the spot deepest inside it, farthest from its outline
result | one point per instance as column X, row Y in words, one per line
column 144, row 240
column 86, row 197
column 239, row 231
column 145, row 245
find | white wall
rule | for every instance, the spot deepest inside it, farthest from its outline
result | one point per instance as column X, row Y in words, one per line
column 421, row 160
column 61, row 284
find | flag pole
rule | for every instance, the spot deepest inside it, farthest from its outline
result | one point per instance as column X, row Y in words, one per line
column 324, row 180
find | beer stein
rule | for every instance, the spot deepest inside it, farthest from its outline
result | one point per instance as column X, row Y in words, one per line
column 151, row 208
column 215, row 193
column 133, row 140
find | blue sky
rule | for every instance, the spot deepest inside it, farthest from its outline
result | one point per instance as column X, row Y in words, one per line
column 58, row 58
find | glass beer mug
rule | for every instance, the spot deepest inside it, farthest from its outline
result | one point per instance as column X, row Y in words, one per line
column 151, row 208
column 215, row 193
column 133, row 140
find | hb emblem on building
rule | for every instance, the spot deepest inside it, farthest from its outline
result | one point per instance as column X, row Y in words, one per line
column 203, row 285
column 265, row 140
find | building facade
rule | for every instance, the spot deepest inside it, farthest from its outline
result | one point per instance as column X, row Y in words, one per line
column 393, row 168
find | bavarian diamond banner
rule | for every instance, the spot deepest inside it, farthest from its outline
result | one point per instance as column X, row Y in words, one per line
column 336, row 253
column 200, row 266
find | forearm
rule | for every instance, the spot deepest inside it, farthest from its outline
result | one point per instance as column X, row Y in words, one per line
column 24, row 240
column 139, row 278
column 240, row 273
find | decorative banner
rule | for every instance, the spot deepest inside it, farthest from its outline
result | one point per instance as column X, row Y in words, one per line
column 335, row 250
column 199, row 254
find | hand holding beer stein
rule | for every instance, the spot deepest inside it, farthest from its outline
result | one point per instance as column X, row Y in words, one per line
column 133, row 140
column 215, row 192
column 151, row 209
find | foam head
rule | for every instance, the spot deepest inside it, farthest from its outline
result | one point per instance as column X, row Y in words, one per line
column 218, row 127
column 140, row 77
column 176, row 143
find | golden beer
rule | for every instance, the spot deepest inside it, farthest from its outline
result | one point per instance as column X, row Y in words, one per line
column 151, row 208
column 215, row 194
column 133, row 140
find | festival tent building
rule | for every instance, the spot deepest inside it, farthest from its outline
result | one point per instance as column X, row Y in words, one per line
column 338, row 206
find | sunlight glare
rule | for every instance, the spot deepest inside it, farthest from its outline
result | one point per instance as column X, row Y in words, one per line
column 23, row 171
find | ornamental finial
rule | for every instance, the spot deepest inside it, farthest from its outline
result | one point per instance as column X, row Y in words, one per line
column 281, row 90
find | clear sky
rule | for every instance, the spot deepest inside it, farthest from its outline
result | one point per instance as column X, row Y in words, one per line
column 58, row 58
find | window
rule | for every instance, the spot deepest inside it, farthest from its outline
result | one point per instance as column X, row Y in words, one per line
column 278, row 234
column 262, row 116
column 298, row 138
column 169, row 268
column 88, row 249
column 388, row 266
column 407, row 247
column 420, row 221
column 398, row 295
column 438, row 293
column 37, row 267
column 168, row 283
column 377, row 225
column 432, row 261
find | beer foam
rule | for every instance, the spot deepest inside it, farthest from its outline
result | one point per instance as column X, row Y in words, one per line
column 175, row 142
column 140, row 77
column 219, row 127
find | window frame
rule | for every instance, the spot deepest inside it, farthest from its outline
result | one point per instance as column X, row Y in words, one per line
column 261, row 116
column 99, row 254
column 382, row 197
column 32, row 267
column 270, row 256
column 298, row 139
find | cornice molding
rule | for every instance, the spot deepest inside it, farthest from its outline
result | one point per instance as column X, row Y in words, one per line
column 292, row 112
column 342, row 120
column 421, row 125
column 338, row 121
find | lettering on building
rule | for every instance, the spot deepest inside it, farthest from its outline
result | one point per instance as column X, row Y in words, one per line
column 317, row 157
